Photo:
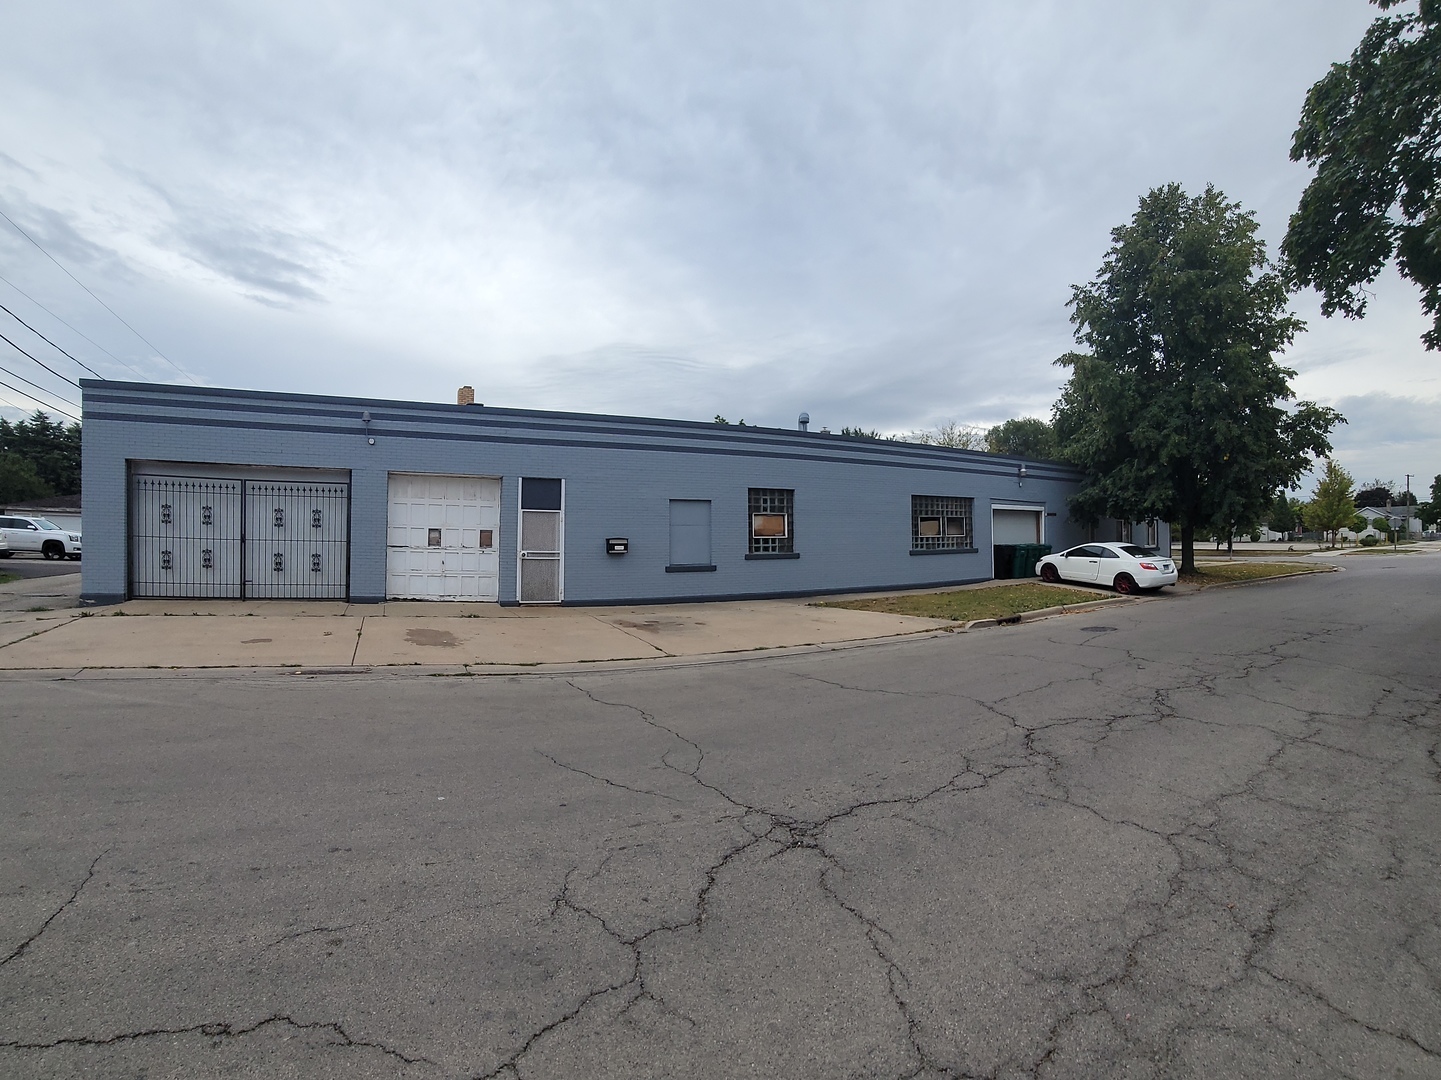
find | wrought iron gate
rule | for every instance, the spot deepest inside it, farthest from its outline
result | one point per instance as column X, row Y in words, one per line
column 197, row 537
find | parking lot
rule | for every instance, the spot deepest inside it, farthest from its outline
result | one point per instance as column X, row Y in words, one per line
column 1194, row 837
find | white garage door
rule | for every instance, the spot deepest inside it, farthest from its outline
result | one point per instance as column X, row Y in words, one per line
column 441, row 538
column 1015, row 526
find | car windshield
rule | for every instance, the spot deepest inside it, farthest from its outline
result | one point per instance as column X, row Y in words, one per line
column 44, row 524
column 1138, row 551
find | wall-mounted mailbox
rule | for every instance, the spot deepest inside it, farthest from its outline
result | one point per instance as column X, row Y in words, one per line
column 617, row 545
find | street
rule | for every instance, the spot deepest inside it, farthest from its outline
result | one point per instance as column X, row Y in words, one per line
column 1190, row 837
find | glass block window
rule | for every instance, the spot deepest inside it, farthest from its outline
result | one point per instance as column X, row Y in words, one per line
column 772, row 520
column 940, row 522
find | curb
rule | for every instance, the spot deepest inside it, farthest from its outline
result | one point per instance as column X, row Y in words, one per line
column 1046, row 613
column 1269, row 580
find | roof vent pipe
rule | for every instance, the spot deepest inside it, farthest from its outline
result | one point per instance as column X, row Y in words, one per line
column 803, row 422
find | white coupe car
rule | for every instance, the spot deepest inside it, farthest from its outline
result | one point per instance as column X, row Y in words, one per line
column 1128, row 568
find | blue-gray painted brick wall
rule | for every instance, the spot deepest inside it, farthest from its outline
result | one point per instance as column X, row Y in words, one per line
column 852, row 497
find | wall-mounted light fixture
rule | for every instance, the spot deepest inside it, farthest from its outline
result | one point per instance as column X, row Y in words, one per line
column 1020, row 476
column 365, row 419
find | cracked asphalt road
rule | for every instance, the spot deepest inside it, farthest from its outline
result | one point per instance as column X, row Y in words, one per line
column 1190, row 838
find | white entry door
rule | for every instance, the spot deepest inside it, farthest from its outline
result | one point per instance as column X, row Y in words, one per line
column 540, row 555
column 441, row 538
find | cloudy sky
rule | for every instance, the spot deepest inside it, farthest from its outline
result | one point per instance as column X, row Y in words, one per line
column 873, row 212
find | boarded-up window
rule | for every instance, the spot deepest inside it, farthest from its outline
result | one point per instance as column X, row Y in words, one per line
column 772, row 521
column 690, row 532
column 940, row 523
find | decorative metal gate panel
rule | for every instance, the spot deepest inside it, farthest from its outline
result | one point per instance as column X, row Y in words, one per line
column 200, row 537
column 185, row 537
column 295, row 540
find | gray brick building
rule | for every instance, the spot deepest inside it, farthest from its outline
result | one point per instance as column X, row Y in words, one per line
column 202, row 492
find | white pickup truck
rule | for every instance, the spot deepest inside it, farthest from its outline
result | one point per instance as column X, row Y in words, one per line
column 39, row 535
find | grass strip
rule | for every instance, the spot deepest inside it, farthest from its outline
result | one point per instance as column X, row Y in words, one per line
column 964, row 605
column 1220, row 573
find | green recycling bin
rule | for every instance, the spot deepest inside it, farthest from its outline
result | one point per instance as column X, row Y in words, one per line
column 1027, row 555
column 1024, row 564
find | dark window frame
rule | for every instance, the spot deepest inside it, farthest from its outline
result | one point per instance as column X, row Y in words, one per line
column 771, row 502
column 945, row 510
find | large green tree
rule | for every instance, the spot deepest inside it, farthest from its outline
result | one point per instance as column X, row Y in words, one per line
column 1372, row 130
column 19, row 482
column 51, row 448
column 1176, row 412
column 1331, row 508
column 1025, row 437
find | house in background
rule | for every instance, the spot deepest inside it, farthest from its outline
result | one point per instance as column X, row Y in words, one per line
column 63, row 510
column 1403, row 520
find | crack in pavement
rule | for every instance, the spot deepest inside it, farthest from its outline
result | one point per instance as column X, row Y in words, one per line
column 312, row 930
column 222, row 1030
column 19, row 950
column 786, row 833
column 1321, row 999
column 604, row 779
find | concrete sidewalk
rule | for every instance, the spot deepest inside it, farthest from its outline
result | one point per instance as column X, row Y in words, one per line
column 41, row 628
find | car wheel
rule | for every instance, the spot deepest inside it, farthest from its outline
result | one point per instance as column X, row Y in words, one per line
column 1126, row 584
column 1050, row 573
column 6, row 554
column 53, row 549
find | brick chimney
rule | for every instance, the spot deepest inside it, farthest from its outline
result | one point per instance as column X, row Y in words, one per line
column 465, row 395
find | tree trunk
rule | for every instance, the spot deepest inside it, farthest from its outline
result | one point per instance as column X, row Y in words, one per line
column 1188, row 549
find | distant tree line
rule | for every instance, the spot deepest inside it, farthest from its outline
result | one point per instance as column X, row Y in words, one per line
column 39, row 458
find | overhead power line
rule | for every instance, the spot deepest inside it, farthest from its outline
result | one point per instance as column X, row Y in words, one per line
column 32, row 397
column 42, row 363
column 27, row 382
column 87, row 337
column 52, row 344
column 97, row 299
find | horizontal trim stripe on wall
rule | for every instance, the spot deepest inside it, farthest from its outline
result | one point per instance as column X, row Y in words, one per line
column 842, row 447
column 149, row 393
column 733, row 451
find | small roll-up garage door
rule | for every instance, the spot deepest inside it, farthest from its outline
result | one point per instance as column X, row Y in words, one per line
column 441, row 536
column 1010, row 526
